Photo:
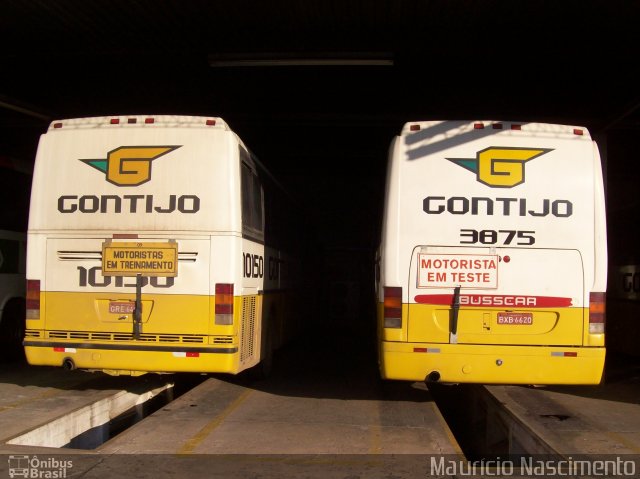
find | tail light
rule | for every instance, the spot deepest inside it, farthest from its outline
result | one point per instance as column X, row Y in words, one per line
column 392, row 307
column 224, row 304
column 33, row 299
column 597, row 313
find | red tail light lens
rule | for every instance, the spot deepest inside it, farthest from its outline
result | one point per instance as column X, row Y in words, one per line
column 597, row 312
column 224, row 304
column 392, row 307
column 33, row 299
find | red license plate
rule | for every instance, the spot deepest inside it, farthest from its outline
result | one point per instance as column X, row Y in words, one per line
column 121, row 307
column 515, row 318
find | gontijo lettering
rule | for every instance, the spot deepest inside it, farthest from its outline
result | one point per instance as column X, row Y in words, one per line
column 128, row 204
column 481, row 206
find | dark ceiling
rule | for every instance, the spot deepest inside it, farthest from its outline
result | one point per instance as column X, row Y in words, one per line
column 547, row 60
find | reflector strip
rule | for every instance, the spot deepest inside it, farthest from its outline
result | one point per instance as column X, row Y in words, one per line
column 65, row 350
column 426, row 350
column 188, row 354
column 115, row 121
column 566, row 354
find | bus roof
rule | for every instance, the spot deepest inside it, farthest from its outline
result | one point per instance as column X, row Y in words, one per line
column 146, row 121
column 446, row 129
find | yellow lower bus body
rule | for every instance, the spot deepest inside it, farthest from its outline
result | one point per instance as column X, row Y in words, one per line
column 555, row 349
column 178, row 334
column 490, row 364
column 128, row 359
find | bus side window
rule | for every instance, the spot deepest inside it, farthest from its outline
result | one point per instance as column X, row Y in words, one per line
column 252, row 205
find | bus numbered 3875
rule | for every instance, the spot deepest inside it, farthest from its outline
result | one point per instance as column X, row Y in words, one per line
column 493, row 259
column 155, row 244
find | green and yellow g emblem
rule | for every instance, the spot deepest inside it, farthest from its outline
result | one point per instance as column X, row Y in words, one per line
column 129, row 165
column 500, row 166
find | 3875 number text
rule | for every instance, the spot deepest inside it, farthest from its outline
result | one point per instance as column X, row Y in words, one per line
column 505, row 237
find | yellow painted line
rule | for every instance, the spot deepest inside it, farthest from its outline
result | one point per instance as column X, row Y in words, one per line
column 621, row 439
column 195, row 441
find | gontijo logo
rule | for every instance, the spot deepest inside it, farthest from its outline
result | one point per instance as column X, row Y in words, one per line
column 129, row 165
column 500, row 166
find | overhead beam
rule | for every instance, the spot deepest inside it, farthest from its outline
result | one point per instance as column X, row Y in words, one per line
column 17, row 106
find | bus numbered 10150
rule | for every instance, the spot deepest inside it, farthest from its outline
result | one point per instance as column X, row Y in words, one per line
column 155, row 244
column 493, row 258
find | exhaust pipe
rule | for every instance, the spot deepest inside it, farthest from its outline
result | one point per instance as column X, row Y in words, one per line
column 68, row 364
column 433, row 377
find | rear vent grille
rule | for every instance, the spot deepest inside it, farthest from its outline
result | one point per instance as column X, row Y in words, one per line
column 193, row 339
column 222, row 340
column 32, row 333
column 79, row 335
column 248, row 328
column 102, row 336
column 105, row 336
column 59, row 334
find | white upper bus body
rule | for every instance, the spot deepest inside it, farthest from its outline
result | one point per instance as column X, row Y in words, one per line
column 144, row 180
column 493, row 235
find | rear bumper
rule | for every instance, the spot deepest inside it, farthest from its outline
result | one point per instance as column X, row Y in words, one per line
column 133, row 358
column 464, row 363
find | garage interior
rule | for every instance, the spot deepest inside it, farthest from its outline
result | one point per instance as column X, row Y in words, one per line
column 318, row 89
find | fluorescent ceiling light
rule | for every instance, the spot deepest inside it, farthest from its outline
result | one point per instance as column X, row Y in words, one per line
column 300, row 59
